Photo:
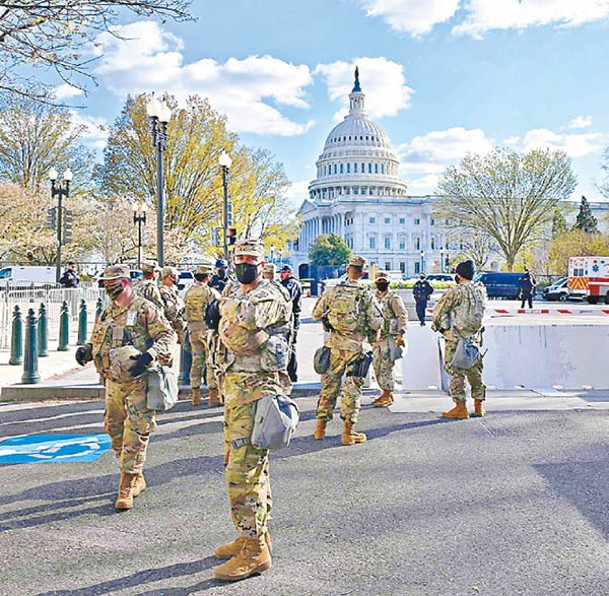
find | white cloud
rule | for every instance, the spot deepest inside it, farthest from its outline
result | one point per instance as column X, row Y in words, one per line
column 412, row 16
column 486, row 15
column 581, row 122
column 248, row 91
column 381, row 80
column 574, row 145
column 95, row 132
column 297, row 193
column 66, row 91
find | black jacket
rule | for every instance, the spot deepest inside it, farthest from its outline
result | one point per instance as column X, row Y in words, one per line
column 295, row 289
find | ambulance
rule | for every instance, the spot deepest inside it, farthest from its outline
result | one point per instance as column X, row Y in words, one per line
column 589, row 278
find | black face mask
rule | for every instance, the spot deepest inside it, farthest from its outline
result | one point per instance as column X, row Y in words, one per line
column 221, row 273
column 382, row 285
column 246, row 273
column 115, row 290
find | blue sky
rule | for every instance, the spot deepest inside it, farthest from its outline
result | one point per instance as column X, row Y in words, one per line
column 442, row 77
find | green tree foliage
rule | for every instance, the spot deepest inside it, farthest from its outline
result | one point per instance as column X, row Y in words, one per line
column 575, row 243
column 559, row 223
column 329, row 249
column 57, row 36
column 507, row 195
column 585, row 221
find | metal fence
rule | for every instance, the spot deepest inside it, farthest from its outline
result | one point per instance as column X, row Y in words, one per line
column 52, row 298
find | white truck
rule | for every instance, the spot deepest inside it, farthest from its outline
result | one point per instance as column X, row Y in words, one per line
column 27, row 276
column 589, row 278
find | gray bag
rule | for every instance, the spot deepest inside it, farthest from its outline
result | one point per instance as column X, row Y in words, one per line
column 275, row 420
column 162, row 390
column 466, row 354
column 321, row 360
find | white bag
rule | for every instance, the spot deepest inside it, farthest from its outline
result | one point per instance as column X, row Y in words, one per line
column 162, row 389
column 275, row 420
column 466, row 353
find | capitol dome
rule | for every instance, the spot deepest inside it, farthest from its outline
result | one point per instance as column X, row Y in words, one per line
column 357, row 158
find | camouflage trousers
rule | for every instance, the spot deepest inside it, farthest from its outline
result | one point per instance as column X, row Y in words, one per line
column 200, row 360
column 457, row 375
column 128, row 422
column 247, row 468
column 383, row 365
column 350, row 392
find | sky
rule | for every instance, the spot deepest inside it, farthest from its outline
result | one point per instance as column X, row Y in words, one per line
column 442, row 77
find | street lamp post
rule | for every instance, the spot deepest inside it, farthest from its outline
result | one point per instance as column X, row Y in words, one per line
column 225, row 162
column 159, row 114
column 422, row 253
column 441, row 259
column 60, row 191
column 273, row 253
column 139, row 219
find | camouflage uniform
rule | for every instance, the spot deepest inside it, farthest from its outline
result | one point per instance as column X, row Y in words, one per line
column 147, row 287
column 128, row 421
column 196, row 300
column 395, row 321
column 252, row 353
column 354, row 316
column 173, row 306
column 458, row 313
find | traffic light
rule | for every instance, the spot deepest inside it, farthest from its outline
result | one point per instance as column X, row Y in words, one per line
column 51, row 218
column 217, row 237
column 68, row 221
column 232, row 236
column 229, row 214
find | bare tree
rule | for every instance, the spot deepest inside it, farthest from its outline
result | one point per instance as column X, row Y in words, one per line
column 54, row 35
column 509, row 196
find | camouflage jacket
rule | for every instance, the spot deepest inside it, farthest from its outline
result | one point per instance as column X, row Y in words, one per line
column 353, row 314
column 254, row 329
column 149, row 289
column 459, row 312
column 173, row 307
column 395, row 316
column 140, row 324
column 198, row 297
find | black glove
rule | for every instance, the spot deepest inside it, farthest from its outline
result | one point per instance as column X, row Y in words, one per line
column 141, row 364
column 84, row 354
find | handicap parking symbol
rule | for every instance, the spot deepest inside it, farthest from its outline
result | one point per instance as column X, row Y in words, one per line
column 53, row 449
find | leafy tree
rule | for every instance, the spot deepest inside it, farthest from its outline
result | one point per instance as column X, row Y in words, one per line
column 509, row 196
column 473, row 244
column 36, row 137
column 559, row 223
column 57, row 36
column 575, row 243
column 585, row 221
column 329, row 249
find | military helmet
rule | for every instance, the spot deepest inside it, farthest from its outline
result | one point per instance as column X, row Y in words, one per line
column 121, row 362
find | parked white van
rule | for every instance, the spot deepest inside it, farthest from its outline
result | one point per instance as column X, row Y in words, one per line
column 15, row 275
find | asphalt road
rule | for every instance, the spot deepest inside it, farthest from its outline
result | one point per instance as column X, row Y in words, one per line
column 512, row 504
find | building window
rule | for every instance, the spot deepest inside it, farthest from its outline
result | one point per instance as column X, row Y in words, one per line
column 372, row 220
column 402, row 266
column 387, row 242
column 341, row 168
column 417, row 222
column 335, row 168
column 355, row 190
column 402, row 220
column 417, row 267
column 432, row 222
column 372, row 243
column 417, row 244
column 388, row 265
column 376, row 168
column 355, row 168
column 369, row 167
column 363, row 168
column 433, row 244
column 402, row 244
column 387, row 220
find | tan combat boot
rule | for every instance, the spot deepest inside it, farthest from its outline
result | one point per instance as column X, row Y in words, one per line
column 320, row 429
column 214, row 399
column 196, row 396
column 350, row 437
column 226, row 551
column 384, row 400
column 479, row 410
column 125, row 492
column 459, row 411
column 254, row 557
column 140, row 484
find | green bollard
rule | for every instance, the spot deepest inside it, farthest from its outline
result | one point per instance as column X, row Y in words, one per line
column 17, row 338
column 43, row 335
column 99, row 308
column 185, row 361
column 82, row 324
column 31, row 376
column 64, row 332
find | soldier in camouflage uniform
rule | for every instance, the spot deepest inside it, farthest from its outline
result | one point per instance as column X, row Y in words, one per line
column 391, row 337
column 352, row 315
column 458, row 313
column 147, row 286
column 129, row 336
column 252, row 353
column 173, row 306
column 198, row 297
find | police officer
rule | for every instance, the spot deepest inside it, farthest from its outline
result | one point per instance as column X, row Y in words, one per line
column 421, row 291
column 147, row 286
column 219, row 279
column 458, row 314
column 198, row 297
column 252, row 353
column 352, row 316
column 295, row 290
column 391, row 337
column 129, row 336
column 70, row 278
column 173, row 306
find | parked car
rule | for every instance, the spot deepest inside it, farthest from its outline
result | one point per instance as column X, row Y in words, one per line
column 501, row 285
column 185, row 280
column 27, row 276
column 447, row 277
column 557, row 291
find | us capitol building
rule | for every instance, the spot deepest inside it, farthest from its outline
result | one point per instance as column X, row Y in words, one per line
column 359, row 196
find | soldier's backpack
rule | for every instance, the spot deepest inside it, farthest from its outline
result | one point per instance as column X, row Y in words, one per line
column 275, row 420
column 162, row 389
column 212, row 315
column 344, row 308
